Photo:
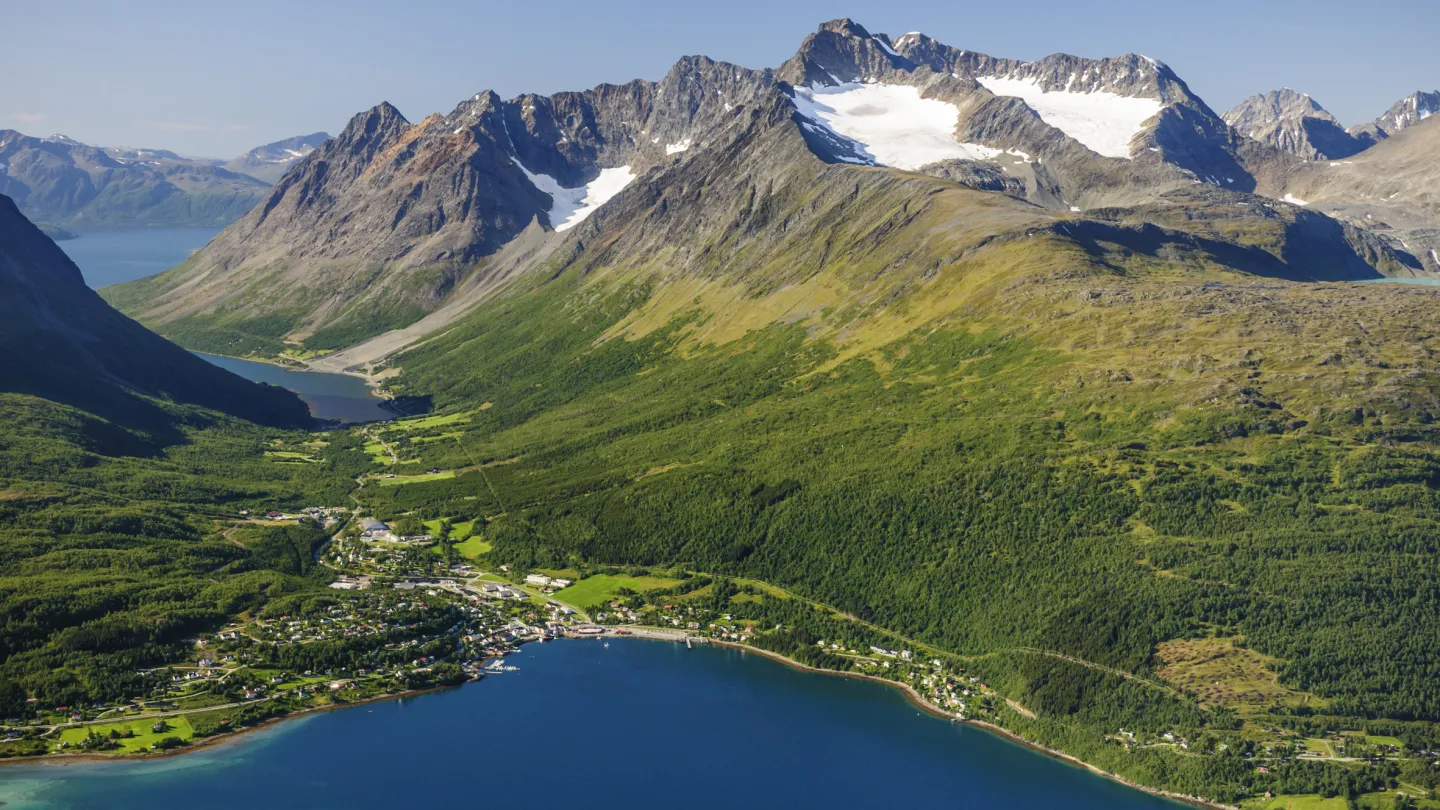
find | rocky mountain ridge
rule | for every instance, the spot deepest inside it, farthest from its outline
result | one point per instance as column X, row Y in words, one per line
column 270, row 162
column 1407, row 112
column 1294, row 123
column 396, row 223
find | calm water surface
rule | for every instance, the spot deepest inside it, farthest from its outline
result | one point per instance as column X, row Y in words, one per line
column 117, row 255
column 330, row 396
column 640, row 724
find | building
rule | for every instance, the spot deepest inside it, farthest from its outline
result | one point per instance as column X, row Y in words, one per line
column 371, row 526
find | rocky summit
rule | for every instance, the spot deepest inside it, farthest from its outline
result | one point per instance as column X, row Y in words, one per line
column 1295, row 123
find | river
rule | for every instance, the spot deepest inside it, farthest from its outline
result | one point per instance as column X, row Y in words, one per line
column 637, row 724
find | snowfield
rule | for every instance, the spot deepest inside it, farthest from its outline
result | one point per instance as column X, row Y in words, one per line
column 889, row 123
column 570, row 206
column 1104, row 122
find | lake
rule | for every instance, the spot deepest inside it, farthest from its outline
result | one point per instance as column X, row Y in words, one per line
column 342, row 397
column 117, row 255
column 640, row 724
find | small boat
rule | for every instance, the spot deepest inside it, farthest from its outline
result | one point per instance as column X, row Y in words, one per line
column 607, row 644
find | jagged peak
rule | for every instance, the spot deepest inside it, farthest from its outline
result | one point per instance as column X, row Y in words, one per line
column 383, row 116
column 845, row 27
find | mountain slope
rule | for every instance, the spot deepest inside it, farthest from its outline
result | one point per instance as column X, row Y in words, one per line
column 63, row 182
column 1294, row 123
column 270, row 162
column 63, row 343
column 1392, row 188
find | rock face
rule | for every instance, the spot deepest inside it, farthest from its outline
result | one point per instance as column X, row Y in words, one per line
column 63, row 343
column 269, row 163
column 64, row 182
column 1407, row 112
column 1294, row 123
column 1391, row 189
column 393, row 222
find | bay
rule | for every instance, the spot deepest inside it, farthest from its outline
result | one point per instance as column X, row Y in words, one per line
column 118, row 255
column 638, row 724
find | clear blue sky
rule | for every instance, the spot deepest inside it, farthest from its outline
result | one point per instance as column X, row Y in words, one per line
column 205, row 77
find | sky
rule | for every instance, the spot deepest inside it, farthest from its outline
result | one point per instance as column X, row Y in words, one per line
column 214, row 79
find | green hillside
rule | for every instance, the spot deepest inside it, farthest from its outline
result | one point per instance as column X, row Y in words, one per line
column 1093, row 461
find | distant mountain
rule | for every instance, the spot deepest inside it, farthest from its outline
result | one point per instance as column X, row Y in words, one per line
column 63, row 343
column 1294, row 123
column 394, row 223
column 269, row 163
column 66, row 183
column 1392, row 188
column 1405, row 113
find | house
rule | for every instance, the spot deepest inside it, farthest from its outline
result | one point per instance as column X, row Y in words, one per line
column 558, row 583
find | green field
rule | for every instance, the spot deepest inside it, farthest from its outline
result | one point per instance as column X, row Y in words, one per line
column 291, row 457
column 473, row 548
column 400, row 480
column 433, row 421
column 457, row 530
column 143, row 729
column 602, row 588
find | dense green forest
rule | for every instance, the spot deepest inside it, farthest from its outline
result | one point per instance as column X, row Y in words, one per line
column 120, row 542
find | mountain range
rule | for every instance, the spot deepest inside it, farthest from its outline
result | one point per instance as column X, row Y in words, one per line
column 421, row 220
column 62, row 182
column 1020, row 363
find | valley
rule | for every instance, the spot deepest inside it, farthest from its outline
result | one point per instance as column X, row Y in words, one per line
column 1037, row 390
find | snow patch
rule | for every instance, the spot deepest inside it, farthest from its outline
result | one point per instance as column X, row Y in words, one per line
column 1103, row 121
column 1435, row 254
column 1293, row 200
column 676, row 148
column 885, row 46
column 570, row 206
column 889, row 123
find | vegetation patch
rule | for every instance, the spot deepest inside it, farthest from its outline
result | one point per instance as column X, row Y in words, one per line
column 1219, row 673
column 601, row 589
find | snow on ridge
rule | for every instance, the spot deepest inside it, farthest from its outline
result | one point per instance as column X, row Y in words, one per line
column 1101, row 120
column 570, row 206
column 889, row 123
column 885, row 46
column 676, row 148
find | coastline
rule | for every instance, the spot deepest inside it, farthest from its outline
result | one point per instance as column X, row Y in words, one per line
column 910, row 693
column 212, row 741
column 919, row 701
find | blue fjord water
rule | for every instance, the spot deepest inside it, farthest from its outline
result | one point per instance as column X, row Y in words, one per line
column 638, row 724
column 118, row 255
column 342, row 397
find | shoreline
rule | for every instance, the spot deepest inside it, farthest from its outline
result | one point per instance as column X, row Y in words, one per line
column 919, row 701
column 213, row 741
column 911, row 695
